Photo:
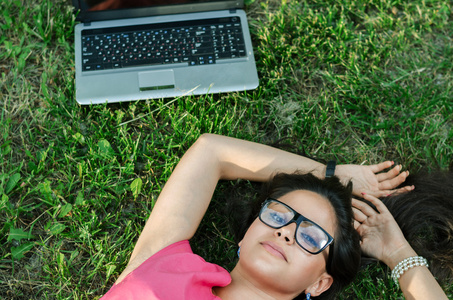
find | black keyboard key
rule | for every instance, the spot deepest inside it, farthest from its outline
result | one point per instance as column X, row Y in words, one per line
column 91, row 60
column 200, row 51
column 241, row 50
column 145, row 62
column 88, row 67
column 88, row 53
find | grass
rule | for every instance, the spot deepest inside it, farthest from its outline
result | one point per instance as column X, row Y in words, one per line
column 359, row 81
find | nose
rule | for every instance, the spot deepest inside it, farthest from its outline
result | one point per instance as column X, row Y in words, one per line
column 287, row 233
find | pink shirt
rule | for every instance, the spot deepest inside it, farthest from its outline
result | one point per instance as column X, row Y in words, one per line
column 174, row 272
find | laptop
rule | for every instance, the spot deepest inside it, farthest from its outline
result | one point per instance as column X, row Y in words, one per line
column 127, row 50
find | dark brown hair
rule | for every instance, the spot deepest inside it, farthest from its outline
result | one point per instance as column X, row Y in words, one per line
column 425, row 216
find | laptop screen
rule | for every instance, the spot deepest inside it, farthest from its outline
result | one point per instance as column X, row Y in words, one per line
column 97, row 10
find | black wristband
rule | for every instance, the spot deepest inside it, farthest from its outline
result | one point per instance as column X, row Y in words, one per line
column 330, row 169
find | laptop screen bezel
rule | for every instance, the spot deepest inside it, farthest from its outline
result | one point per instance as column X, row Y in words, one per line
column 89, row 16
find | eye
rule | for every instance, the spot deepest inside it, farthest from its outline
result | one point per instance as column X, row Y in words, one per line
column 278, row 217
column 309, row 240
column 311, row 237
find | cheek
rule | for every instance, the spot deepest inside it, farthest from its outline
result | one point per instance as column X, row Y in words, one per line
column 250, row 259
column 251, row 234
column 305, row 270
column 308, row 264
column 252, row 253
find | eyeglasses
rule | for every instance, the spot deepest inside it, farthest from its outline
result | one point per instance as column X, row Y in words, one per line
column 309, row 235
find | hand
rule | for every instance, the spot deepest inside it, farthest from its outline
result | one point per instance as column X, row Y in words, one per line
column 381, row 236
column 367, row 179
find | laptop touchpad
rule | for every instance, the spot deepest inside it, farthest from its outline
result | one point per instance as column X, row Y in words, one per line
column 156, row 80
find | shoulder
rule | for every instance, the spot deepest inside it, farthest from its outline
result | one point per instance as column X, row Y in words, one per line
column 175, row 272
column 142, row 258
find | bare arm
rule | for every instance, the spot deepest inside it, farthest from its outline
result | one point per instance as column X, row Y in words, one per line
column 187, row 194
column 382, row 238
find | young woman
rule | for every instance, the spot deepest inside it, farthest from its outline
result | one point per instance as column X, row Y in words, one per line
column 297, row 246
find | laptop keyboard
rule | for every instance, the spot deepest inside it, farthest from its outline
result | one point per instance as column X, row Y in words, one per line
column 192, row 42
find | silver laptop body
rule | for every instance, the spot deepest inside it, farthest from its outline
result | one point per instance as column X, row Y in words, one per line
column 161, row 80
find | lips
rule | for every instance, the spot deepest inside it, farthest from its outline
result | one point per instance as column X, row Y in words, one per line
column 274, row 249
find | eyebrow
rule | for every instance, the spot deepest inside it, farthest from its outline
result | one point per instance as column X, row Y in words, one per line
column 322, row 227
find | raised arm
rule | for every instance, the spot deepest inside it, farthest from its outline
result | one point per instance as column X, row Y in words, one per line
column 187, row 194
column 383, row 239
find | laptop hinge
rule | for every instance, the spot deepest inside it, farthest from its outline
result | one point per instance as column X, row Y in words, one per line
column 232, row 10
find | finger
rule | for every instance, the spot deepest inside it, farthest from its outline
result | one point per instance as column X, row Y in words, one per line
column 390, row 174
column 386, row 193
column 356, row 225
column 379, row 193
column 380, row 206
column 381, row 166
column 394, row 182
column 359, row 216
column 402, row 190
column 363, row 207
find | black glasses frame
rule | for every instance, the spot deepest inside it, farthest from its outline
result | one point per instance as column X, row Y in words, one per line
column 297, row 218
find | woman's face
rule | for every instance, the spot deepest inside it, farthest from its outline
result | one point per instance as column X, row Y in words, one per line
column 273, row 258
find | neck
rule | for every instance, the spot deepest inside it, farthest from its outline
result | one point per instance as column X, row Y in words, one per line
column 243, row 288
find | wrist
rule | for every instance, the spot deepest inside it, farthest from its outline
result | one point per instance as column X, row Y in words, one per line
column 399, row 255
column 330, row 168
column 407, row 264
column 342, row 172
column 319, row 171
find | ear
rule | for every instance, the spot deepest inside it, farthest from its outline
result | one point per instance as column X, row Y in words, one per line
column 323, row 284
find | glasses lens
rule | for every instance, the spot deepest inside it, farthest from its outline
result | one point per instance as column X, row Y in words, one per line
column 275, row 214
column 308, row 235
column 311, row 237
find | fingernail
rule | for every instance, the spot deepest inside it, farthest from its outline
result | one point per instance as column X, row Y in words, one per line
column 363, row 193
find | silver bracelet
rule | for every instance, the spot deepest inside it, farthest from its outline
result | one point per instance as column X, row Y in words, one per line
column 406, row 264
